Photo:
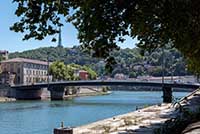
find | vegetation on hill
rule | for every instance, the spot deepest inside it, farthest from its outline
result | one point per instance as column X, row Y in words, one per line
column 129, row 61
column 101, row 24
column 60, row 71
column 1, row 58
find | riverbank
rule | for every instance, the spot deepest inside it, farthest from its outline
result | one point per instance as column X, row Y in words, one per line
column 5, row 91
column 164, row 118
column 6, row 99
column 73, row 92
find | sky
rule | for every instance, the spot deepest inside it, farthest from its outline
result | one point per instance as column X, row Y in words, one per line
column 12, row 41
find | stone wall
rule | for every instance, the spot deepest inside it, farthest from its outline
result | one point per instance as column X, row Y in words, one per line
column 6, row 91
column 158, row 119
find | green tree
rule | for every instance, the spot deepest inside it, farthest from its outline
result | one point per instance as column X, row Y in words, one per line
column 0, row 70
column 59, row 71
column 1, row 58
column 157, row 71
column 102, row 23
column 132, row 74
column 92, row 74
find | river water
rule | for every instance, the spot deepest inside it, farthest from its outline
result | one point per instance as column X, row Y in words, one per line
column 40, row 117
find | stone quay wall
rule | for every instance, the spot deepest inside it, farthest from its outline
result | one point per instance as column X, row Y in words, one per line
column 161, row 118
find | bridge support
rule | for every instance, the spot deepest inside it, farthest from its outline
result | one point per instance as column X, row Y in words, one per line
column 28, row 94
column 167, row 94
column 57, row 92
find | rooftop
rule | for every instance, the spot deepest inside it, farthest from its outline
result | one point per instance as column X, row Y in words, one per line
column 20, row 60
column 3, row 51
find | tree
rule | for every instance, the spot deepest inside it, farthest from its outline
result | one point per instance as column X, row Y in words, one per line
column 92, row 74
column 0, row 70
column 58, row 71
column 2, row 58
column 126, row 60
column 102, row 23
column 132, row 74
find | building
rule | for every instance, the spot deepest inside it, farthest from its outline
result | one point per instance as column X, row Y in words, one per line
column 83, row 75
column 120, row 76
column 24, row 71
column 4, row 54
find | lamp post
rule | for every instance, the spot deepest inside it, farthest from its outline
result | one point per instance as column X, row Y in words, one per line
column 172, row 68
column 163, row 67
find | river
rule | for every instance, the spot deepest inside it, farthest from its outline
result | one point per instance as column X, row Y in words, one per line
column 40, row 117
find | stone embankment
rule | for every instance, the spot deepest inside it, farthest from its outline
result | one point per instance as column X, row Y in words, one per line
column 158, row 119
column 88, row 91
column 6, row 99
column 193, row 128
column 78, row 91
column 4, row 92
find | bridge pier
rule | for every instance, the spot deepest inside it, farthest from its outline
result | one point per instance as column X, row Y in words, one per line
column 28, row 94
column 167, row 94
column 57, row 92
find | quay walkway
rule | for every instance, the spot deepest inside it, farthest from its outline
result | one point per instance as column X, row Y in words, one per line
column 148, row 120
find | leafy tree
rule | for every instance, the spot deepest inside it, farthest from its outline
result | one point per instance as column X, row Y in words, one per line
column 132, row 74
column 0, row 70
column 194, row 69
column 2, row 58
column 102, row 23
column 92, row 74
column 157, row 71
column 59, row 71
column 126, row 59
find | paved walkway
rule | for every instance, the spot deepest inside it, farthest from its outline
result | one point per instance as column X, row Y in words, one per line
column 144, row 121
column 193, row 128
column 5, row 99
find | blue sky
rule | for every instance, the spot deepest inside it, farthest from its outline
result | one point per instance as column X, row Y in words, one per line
column 12, row 41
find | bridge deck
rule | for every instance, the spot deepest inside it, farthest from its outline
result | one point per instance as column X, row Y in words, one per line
column 106, row 83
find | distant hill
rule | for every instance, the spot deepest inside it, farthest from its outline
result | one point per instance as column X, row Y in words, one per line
column 130, row 61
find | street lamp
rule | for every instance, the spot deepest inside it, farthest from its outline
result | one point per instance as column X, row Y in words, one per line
column 163, row 67
column 172, row 68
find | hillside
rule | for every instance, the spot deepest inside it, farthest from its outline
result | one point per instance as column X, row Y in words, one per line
column 129, row 61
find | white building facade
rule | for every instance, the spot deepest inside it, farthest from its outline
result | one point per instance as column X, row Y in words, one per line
column 25, row 71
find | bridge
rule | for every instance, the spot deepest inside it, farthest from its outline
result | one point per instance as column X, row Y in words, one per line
column 57, row 88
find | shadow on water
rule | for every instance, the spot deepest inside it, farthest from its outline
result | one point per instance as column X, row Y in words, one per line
column 24, row 108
